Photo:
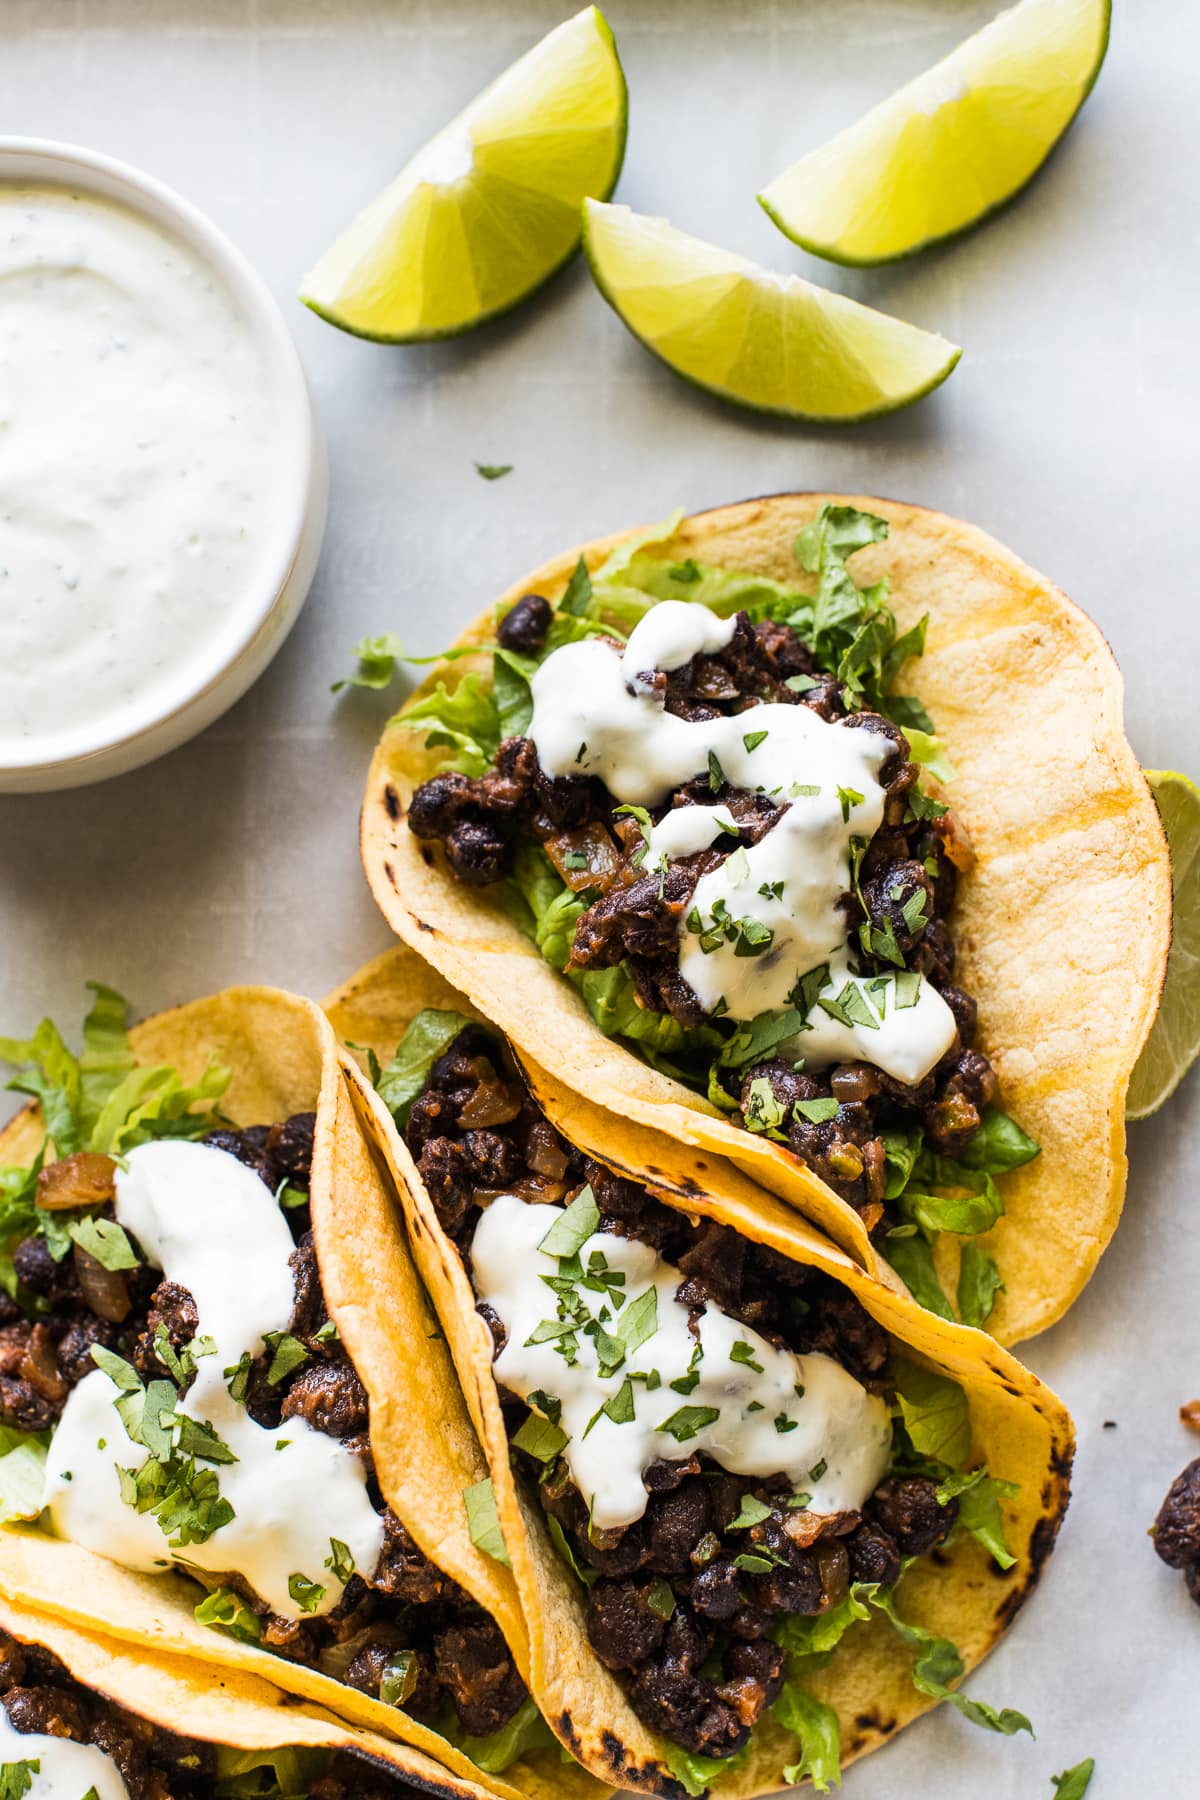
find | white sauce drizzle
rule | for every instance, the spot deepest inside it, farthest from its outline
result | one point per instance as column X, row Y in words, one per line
column 591, row 717
column 837, row 1423
column 139, row 462
column 67, row 1770
column 211, row 1225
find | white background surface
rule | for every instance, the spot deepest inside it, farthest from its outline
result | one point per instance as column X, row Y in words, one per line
column 1068, row 430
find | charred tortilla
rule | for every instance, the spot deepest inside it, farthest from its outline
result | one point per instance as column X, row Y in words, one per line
column 281, row 1060
column 1016, row 1426
column 1062, row 923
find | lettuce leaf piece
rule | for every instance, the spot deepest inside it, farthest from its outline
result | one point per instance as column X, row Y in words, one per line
column 378, row 659
column 617, row 563
column 464, row 720
column 911, row 1256
column 537, row 898
column 429, row 1035
column 269, row 1774
column 525, row 1731
column 22, row 1474
column 52, row 1077
column 696, row 1773
column 102, row 1100
column 816, row 1637
column 978, row 1284
column 723, row 591
column 939, row 1663
column 998, row 1145
column 151, row 1103
column 900, row 1151
column 965, row 1214
column 907, row 711
column 19, row 1214
column 612, row 1002
column 511, row 675
column 935, row 1412
column 928, row 750
column 817, row 1727
column 979, row 1495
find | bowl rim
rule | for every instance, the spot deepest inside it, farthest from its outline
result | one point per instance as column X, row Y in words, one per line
column 298, row 455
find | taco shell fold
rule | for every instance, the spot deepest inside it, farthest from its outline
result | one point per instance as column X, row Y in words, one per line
column 283, row 1059
column 1062, row 928
column 1019, row 1428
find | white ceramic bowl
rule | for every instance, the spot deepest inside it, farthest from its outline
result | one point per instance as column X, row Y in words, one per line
column 292, row 542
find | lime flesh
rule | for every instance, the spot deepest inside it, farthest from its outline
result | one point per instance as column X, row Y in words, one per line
column 951, row 146
column 772, row 342
column 488, row 210
column 1174, row 1041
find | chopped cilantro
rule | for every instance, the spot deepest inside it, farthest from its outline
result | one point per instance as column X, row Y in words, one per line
column 742, row 1352
column 307, row 1594
column 783, row 1423
column 752, row 739
column 848, row 798
column 716, row 774
column 569, row 1232
column 687, row 1421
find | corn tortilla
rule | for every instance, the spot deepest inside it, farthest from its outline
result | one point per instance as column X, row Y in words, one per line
column 283, row 1059
column 1019, row 1428
column 1062, row 929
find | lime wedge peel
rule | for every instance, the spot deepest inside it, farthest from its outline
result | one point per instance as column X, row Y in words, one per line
column 1174, row 1041
column 772, row 342
column 951, row 147
column 488, row 211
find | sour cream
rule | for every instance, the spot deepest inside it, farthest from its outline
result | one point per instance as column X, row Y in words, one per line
column 65, row 1771
column 211, row 1225
column 593, row 715
column 140, row 469
column 757, row 1410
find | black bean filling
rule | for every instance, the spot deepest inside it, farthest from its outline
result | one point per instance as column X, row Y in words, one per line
column 462, row 1661
column 685, row 1626
column 1177, row 1528
column 41, row 1696
column 634, row 917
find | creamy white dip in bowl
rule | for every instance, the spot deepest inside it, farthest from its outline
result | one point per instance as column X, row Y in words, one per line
column 162, row 473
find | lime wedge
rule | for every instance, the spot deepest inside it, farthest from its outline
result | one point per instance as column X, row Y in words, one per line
column 489, row 209
column 773, row 342
column 1174, row 1041
column 953, row 145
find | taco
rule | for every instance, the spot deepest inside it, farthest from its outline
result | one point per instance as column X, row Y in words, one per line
column 740, row 1483
column 806, row 832
column 180, row 1405
column 83, row 1715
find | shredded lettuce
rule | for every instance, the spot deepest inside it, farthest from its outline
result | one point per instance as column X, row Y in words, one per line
column 978, row 1284
column 938, row 1663
column 817, row 1727
column 911, row 1255
column 525, row 1731
column 934, row 1410
column 464, row 720
column 269, row 1774
column 22, row 1474
column 697, row 1773
column 378, row 658
column 103, row 1100
column 428, row 1036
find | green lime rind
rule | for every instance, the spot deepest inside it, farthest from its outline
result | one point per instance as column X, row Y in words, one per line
column 332, row 315
column 829, row 251
column 797, row 415
column 1174, row 1041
